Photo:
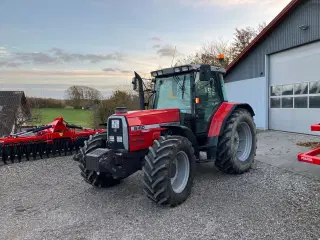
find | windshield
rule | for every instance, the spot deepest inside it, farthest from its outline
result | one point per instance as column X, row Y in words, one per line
column 173, row 92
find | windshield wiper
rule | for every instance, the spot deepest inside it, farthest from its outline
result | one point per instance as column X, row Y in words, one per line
column 183, row 88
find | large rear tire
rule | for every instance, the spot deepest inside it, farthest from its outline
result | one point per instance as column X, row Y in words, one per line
column 98, row 180
column 169, row 170
column 238, row 143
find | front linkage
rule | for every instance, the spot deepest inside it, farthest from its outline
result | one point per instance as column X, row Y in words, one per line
column 54, row 139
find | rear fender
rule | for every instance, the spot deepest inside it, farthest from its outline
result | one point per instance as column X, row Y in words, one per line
column 185, row 132
column 221, row 116
column 218, row 123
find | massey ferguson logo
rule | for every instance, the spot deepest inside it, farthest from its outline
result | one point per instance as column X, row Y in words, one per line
column 136, row 128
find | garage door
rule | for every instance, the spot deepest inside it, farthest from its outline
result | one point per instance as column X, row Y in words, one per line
column 294, row 96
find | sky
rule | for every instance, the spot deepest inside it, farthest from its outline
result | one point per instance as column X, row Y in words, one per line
column 48, row 46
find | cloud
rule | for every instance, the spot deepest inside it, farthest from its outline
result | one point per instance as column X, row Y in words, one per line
column 64, row 73
column 155, row 38
column 109, row 69
column 9, row 65
column 92, row 58
column 166, row 51
column 53, row 56
column 156, row 46
column 115, row 70
column 34, row 57
column 4, row 52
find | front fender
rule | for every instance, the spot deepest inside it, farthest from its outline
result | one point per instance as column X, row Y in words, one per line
column 185, row 132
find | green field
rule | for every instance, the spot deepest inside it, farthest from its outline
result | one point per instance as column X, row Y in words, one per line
column 74, row 116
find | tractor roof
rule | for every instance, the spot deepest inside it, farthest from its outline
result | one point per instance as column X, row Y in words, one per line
column 185, row 68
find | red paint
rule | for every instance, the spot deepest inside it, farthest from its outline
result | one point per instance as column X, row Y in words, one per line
column 219, row 117
column 154, row 116
column 58, row 130
column 265, row 32
column 312, row 155
column 315, row 127
column 142, row 139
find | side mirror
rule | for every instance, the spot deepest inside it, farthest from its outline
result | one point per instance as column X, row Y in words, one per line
column 134, row 83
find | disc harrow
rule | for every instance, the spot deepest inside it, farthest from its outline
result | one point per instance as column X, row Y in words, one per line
column 57, row 138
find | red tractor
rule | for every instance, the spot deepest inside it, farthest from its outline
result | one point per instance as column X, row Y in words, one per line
column 190, row 114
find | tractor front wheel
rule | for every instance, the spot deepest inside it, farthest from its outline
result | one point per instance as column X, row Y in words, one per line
column 92, row 177
column 238, row 143
column 169, row 170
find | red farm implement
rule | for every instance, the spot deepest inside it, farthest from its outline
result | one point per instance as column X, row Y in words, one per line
column 54, row 139
column 311, row 156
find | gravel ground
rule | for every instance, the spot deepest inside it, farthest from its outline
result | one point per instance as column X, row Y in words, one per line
column 47, row 199
column 280, row 149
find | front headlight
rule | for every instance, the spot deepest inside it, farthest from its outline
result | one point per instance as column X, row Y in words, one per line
column 115, row 124
column 111, row 138
column 119, row 139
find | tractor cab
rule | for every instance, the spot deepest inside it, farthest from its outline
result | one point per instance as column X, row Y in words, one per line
column 196, row 90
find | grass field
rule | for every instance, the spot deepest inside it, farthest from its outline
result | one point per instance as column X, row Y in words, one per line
column 74, row 116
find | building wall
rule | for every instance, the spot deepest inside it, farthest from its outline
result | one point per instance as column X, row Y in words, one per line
column 286, row 35
column 293, row 69
column 254, row 92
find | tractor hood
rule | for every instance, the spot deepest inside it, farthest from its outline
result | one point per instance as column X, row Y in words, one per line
column 149, row 117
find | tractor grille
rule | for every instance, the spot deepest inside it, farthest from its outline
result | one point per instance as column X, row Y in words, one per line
column 116, row 133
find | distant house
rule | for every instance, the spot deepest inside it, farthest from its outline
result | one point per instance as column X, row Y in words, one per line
column 14, row 111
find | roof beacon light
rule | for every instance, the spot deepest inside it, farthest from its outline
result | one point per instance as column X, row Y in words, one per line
column 160, row 73
column 221, row 58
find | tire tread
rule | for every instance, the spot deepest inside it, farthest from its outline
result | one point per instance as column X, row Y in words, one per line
column 91, row 177
column 155, row 170
column 224, row 160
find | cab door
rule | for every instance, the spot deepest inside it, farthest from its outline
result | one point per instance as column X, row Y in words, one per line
column 210, row 96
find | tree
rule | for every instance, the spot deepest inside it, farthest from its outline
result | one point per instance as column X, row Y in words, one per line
column 243, row 37
column 80, row 96
column 209, row 53
column 27, row 112
column 107, row 107
column 46, row 102
column 35, row 111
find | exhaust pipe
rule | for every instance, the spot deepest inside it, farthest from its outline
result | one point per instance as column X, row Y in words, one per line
column 141, row 92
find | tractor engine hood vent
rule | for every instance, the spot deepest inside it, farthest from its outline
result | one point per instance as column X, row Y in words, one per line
column 121, row 110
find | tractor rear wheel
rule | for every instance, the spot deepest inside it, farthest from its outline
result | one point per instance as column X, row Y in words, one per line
column 238, row 143
column 169, row 170
column 98, row 180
